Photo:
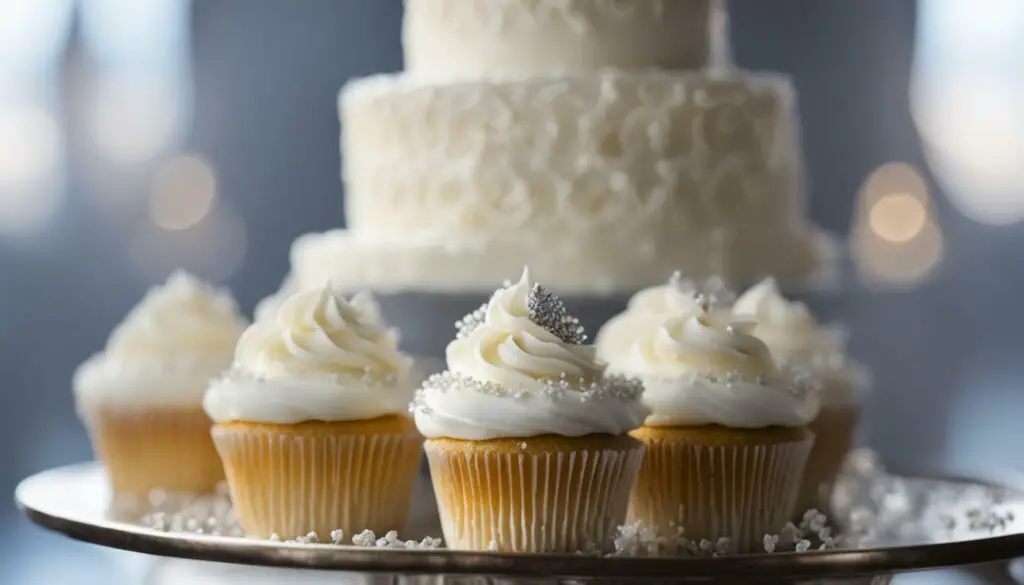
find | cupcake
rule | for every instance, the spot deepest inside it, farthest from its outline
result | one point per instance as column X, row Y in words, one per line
column 794, row 336
column 727, row 438
column 526, row 436
column 311, row 421
column 141, row 398
column 652, row 306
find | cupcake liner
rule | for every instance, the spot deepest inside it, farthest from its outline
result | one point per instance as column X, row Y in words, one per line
column 291, row 480
column 716, row 482
column 834, row 431
column 546, row 494
column 146, row 450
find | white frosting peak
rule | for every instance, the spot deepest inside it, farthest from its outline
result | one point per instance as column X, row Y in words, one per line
column 319, row 357
column 165, row 351
column 655, row 305
column 703, row 369
column 319, row 332
column 512, row 349
column 700, row 344
column 795, row 336
column 515, row 370
column 775, row 314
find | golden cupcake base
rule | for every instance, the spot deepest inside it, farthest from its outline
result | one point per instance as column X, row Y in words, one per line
column 146, row 450
column 833, row 438
column 290, row 480
column 538, row 494
column 719, row 482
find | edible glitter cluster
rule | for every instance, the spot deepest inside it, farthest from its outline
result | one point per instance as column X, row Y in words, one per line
column 544, row 308
column 548, row 311
column 610, row 387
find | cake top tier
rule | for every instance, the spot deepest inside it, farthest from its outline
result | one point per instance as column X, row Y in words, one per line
column 487, row 38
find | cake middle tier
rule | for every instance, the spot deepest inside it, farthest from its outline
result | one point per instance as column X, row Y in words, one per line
column 644, row 157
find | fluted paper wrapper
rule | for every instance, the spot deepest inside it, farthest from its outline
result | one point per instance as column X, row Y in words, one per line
column 716, row 482
column 834, row 431
column 291, row 480
column 146, row 450
column 540, row 494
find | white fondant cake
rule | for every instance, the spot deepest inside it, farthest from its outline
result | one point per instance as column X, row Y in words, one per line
column 476, row 38
column 500, row 147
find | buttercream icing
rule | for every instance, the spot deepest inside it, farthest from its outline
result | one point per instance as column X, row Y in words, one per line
column 794, row 335
column 651, row 306
column 320, row 357
column 518, row 368
column 702, row 369
column 164, row 353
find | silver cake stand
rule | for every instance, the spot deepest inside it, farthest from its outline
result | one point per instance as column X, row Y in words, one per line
column 900, row 522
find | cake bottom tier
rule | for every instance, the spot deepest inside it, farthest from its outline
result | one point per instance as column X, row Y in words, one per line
column 593, row 265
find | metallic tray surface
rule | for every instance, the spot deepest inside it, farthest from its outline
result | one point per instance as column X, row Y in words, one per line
column 74, row 500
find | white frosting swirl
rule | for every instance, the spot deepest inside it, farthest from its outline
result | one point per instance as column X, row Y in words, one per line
column 703, row 370
column 794, row 336
column 319, row 357
column 511, row 377
column 166, row 350
column 653, row 306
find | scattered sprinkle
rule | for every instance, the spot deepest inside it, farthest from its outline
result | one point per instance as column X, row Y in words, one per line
column 611, row 387
column 877, row 509
column 337, row 535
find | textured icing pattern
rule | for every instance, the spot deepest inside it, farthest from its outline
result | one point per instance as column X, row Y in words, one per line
column 477, row 38
column 643, row 153
column 649, row 161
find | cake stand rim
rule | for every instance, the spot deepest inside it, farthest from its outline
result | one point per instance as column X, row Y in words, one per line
column 817, row 564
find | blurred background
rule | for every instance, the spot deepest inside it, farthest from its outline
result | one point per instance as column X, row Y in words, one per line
column 140, row 136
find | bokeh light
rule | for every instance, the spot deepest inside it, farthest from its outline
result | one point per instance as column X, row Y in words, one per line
column 29, row 143
column 32, row 34
column 139, row 105
column 966, row 96
column 895, row 241
column 183, row 192
column 30, row 185
column 897, row 217
column 134, row 119
column 898, row 265
column 213, row 249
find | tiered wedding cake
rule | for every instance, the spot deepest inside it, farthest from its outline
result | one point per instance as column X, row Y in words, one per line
column 586, row 138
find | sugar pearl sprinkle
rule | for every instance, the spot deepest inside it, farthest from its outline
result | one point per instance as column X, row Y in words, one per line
column 611, row 387
column 367, row 377
column 797, row 379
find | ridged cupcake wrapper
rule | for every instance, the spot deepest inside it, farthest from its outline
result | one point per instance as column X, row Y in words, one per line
column 737, row 491
column 834, row 431
column 168, row 450
column 521, row 502
column 291, row 484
